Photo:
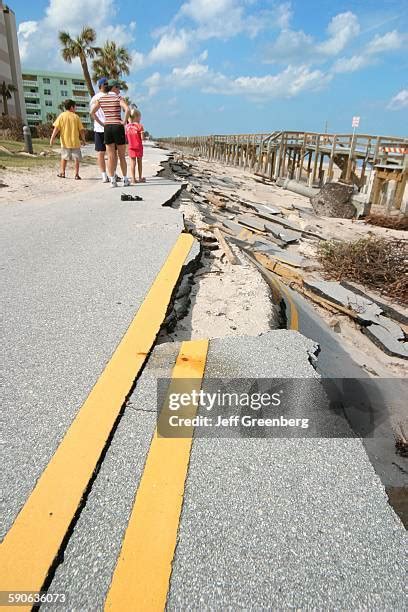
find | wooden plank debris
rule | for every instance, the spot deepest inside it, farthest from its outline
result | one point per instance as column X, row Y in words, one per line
column 287, row 272
column 233, row 259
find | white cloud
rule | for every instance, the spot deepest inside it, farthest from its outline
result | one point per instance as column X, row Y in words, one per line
column 38, row 40
column 291, row 46
column 342, row 29
column 171, row 46
column 399, row 101
column 297, row 46
column 138, row 60
column 193, row 73
column 284, row 14
column 25, row 30
column 203, row 11
column 122, row 34
column 227, row 18
column 73, row 15
column 285, row 84
column 391, row 41
column 153, row 83
column 351, row 64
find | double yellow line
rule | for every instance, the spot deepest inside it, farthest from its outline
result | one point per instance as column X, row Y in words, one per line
column 32, row 544
column 143, row 570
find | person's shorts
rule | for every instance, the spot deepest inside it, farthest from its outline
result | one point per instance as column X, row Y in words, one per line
column 69, row 154
column 115, row 134
column 99, row 141
column 135, row 153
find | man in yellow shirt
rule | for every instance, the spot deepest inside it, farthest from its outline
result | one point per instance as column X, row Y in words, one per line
column 72, row 135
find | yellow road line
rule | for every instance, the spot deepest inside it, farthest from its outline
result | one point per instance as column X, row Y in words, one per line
column 33, row 541
column 142, row 574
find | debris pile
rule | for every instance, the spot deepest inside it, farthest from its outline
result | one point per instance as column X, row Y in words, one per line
column 397, row 222
column 384, row 332
column 377, row 263
column 269, row 235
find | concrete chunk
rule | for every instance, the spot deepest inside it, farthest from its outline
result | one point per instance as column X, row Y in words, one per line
column 333, row 200
column 235, row 227
column 384, row 332
column 386, row 341
column 364, row 309
column 279, row 232
column 251, row 222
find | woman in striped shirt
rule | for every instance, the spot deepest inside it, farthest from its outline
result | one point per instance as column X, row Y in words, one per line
column 112, row 105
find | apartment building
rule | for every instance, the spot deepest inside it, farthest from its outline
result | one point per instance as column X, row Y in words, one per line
column 10, row 67
column 45, row 91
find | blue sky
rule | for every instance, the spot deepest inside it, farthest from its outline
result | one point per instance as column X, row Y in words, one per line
column 241, row 66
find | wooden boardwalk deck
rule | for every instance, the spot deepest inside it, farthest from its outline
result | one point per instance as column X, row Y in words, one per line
column 376, row 165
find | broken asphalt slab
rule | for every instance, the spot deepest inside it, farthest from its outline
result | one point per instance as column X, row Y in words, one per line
column 283, row 234
column 383, row 331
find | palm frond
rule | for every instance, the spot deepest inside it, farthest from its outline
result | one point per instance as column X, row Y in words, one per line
column 64, row 38
column 67, row 55
column 87, row 35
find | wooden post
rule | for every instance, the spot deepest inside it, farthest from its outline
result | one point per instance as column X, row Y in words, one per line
column 278, row 159
column 299, row 171
column 283, row 161
column 389, row 195
column 350, row 158
column 312, row 177
column 321, row 171
column 331, row 162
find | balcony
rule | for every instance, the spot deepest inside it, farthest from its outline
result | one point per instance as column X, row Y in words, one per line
column 81, row 87
column 34, row 105
column 30, row 83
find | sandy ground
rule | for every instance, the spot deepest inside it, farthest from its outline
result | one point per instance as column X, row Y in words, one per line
column 361, row 349
column 25, row 184
column 226, row 299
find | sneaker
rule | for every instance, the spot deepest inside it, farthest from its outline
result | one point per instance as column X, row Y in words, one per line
column 105, row 180
column 118, row 178
column 126, row 182
column 114, row 183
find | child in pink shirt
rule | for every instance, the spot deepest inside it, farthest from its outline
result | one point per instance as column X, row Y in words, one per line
column 135, row 136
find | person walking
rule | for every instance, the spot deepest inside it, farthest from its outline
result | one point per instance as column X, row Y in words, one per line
column 135, row 136
column 112, row 103
column 100, row 147
column 72, row 134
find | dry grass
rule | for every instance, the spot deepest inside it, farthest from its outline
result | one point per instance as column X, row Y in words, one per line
column 398, row 223
column 377, row 263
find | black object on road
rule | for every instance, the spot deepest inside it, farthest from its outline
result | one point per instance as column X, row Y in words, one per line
column 128, row 197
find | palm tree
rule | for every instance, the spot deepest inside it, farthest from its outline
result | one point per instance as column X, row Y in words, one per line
column 81, row 47
column 6, row 92
column 112, row 62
